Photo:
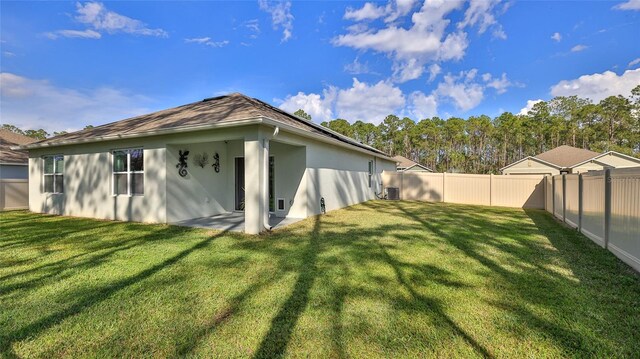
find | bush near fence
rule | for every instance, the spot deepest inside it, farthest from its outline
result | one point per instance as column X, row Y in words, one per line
column 604, row 206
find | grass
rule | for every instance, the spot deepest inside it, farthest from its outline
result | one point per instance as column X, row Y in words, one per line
column 392, row 279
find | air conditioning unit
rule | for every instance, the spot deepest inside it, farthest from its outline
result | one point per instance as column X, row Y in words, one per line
column 393, row 193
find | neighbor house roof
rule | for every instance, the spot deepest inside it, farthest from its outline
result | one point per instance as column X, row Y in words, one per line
column 567, row 156
column 403, row 162
column 233, row 109
column 10, row 139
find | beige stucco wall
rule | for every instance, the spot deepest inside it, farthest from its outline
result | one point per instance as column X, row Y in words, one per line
column 334, row 173
column 530, row 166
column 88, row 178
column 305, row 171
column 610, row 160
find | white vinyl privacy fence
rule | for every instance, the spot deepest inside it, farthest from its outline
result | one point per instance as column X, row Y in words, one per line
column 523, row 191
column 603, row 205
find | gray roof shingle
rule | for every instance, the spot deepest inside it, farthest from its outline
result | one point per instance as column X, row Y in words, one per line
column 217, row 110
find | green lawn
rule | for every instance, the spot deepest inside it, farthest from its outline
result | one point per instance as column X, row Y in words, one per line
column 380, row 279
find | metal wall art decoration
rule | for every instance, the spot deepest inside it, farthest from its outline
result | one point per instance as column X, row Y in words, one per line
column 216, row 162
column 201, row 159
column 182, row 164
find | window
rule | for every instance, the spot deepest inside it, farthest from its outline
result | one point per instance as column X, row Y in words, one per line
column 53, row 176
column 128, row 172
column 370, row 173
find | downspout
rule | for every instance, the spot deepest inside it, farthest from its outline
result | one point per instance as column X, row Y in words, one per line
column 265, row 181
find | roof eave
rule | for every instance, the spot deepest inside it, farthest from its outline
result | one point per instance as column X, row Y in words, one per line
column 250, row 121
column 298, row 131
column 594, row 158
column 532, row 158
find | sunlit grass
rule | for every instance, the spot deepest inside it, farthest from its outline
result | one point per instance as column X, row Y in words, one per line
column 388, row 279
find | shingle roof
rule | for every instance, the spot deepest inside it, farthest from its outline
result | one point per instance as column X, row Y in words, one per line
column 566, row 156
column 9, row 139
column 404, row 162
column 217, row 110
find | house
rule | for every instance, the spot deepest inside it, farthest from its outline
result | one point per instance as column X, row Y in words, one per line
column 13, row 163
column 227, row 158
column 568, row 159
column 404, row 164
column 14, row 171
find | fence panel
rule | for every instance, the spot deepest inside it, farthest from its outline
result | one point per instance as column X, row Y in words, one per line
column 593, row 206
column 548, row 192
column 14, row 194
column 467, row 189
column 518, row 191
column 624, row 228
column 572, row 200
column 558, row 205
column 423, row 186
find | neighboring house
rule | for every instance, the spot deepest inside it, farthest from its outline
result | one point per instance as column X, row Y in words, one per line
column 14, row 171
column 567, row 159
column 217, row 156
column 404, row 164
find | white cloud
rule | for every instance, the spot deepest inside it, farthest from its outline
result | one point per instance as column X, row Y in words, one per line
column 629, row 5
column 423, row 106
column 412, row 48
column 434, row 71
column 462, row 90
column 634, row 62
column 31, row 103
column 318, row 106
column 369, row 103
column 530, row 103
column 500, row 84
column 364, row 102
column 81, row 34
column 254, row 27
column 207, row 41
column 280, row 16
column 96, row 15
column 479, row 12
column 368, row 12
column 599, row 85
column 101, row 20
column 556, row 37
column 8, row 54
column 429, row 38
column 579, row 48
column 356, row 67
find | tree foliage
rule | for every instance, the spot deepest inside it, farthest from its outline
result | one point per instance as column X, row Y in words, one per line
column 481, row 144
column 300, row 113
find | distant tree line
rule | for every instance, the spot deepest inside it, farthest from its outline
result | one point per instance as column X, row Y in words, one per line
column 38, row 134
column 481, row 144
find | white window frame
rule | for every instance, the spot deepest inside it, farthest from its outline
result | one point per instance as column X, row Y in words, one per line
column 128, row 172
column 53, row 174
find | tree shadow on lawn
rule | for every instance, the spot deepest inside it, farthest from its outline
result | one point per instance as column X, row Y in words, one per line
column 337, row 262
column 95, row 296
column 529, row 275
column 357, row 247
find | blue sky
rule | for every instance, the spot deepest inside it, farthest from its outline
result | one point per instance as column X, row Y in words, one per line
column 68, row 64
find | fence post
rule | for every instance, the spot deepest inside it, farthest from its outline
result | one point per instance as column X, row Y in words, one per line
column 607, row 206
column 444, row 186
column 580, row 202
column 491, row 189
column 564, row 198
column 553, row 195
